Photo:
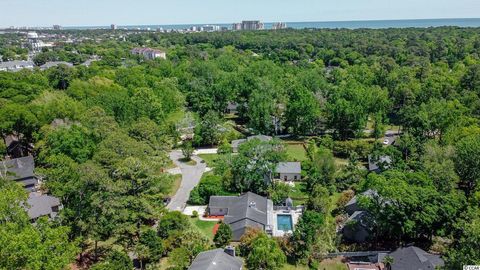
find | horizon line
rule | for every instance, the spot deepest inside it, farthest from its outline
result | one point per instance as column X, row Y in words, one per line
column 268, row 22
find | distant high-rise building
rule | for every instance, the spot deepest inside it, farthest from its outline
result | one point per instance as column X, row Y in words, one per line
column 57, row 27
column 113, row 27
column 248, row 25
column 210, row 28
column 237, row 26
column 279, row 25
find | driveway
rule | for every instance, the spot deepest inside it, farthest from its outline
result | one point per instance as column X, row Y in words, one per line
column 190, row 177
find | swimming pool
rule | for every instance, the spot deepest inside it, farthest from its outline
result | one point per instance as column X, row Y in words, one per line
column 284, row 223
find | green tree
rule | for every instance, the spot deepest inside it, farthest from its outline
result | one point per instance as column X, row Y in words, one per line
column 223, row 235
column 153, row 244
column 321, row 168
column 278, row 192
column 303, row 112
column 439, row 163
column 209, row 129
column 139, row 193
column 60, row 76
column 252, row 168
column 117, row 260
column 319, row 199
column 306, row 231
column 73, row 141
column 172, row 222
column 27, row 246
column 265, row 254
column 187, row 150
column 466, row 247
column 467, row 163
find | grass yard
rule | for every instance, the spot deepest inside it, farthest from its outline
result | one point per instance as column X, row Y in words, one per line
column 293, row 267
column 177, row 180
column 332, row 264
column 206, row 227
column 295, row 150
column 210, row 159
column 299, row 193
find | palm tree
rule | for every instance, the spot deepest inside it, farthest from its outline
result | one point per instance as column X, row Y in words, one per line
column 388, row 261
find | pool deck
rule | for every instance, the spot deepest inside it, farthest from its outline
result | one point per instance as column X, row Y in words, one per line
column 296, row 213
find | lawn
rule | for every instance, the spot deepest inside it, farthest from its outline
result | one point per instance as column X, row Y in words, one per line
column 293, row 267
column 299, row 193
column 332, row 264
column 296, row 152
column 177, row 180
column 210, row 159
column 206, row 227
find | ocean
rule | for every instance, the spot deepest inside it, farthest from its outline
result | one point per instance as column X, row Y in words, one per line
column 374, row 24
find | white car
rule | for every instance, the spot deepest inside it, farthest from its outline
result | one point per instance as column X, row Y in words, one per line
column 386, row 142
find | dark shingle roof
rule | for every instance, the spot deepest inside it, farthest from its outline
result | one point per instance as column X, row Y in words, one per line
column 40, row 205
column 18, row 168
column 247, row 210
column 215, row 259
column 414, row 258
column 288, row 167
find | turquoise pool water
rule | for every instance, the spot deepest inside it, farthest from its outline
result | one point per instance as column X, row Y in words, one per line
column 284, row 223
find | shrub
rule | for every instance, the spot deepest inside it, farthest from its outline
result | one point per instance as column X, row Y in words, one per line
column 210, row 185
column 194, row 214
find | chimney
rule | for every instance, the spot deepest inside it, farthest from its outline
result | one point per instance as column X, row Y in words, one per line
column 230, row 251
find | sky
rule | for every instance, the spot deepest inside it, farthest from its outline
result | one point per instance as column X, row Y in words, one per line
column 161, row 12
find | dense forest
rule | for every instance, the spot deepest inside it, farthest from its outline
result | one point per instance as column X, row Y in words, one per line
column 102, row 134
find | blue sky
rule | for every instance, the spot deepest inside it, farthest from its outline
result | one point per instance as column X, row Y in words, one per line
column 140, row 12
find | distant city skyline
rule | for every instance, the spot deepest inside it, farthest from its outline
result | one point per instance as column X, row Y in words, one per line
column 46, row 13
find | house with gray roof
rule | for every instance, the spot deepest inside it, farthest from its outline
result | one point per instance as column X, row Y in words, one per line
column 216, row 259
column 378, row 164
column 236, row 143
column 242, row 212
column 414, row 258
column 20, row 170
column 16, row 65
column 288, row 171
column 41, row 205
column 55, row 64
column 357, row 228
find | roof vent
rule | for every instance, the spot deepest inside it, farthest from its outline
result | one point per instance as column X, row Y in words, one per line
column 230, row 251
column 252, row 205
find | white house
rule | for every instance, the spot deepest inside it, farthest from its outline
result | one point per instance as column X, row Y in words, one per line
column 289, row 171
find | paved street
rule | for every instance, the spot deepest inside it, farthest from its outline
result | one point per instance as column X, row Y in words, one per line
column 190, row 177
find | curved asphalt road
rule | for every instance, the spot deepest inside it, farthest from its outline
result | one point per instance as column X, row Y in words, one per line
column 190, row 177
